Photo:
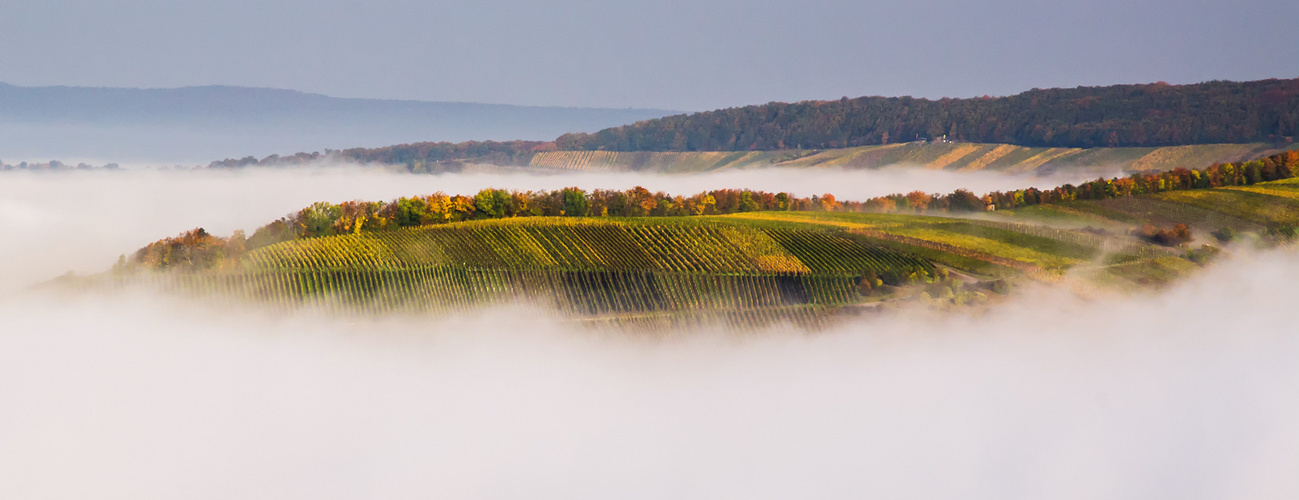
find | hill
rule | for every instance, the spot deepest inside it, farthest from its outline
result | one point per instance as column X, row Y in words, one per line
column 443, row 157
column 755, row 268
column 1128, row 127
column 200, row 123
column 738, row 256
column 964, row 157
column 745, row 268
column 1084, row 117
column 626, row 272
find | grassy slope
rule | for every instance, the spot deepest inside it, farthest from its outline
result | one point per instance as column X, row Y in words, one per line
column 985, row 248
column 1244, row 209
column 935, row 155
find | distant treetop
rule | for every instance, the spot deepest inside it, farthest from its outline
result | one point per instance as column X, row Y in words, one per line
column 1151, row 115
column 1155, row 114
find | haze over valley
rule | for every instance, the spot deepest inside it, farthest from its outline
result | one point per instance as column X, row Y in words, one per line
column 195, row 125
column 398, row 249
column 1185, row 391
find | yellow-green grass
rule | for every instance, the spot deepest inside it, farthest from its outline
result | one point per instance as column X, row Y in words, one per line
column 1253, row 206
column 970, row 264
column 1150, row 209
column 1005, row 243
column 1288, row 191
column 991, row 246
column 1245, row 208
column 1141, row 273
column 841, row 220
column 1057, row 214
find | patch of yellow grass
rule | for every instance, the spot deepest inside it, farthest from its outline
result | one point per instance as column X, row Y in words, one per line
column 987, row 158
column 951, row 156
column 1037, row 160
column 1288, row 194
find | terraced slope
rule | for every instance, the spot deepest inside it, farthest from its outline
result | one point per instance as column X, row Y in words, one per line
column 963, row 157
column 678, row 269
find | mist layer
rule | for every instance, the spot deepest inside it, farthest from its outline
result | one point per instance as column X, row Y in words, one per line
column 1192, row 393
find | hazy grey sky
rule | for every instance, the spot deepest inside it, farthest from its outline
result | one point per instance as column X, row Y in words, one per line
column 680, row 54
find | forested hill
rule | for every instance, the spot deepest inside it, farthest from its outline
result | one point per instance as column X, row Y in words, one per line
column 1156, row 114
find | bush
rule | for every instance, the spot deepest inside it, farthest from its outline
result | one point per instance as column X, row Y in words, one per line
column 1178, row 235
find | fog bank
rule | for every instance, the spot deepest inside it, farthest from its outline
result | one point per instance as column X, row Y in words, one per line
column 81, row 221
column 1193, row 393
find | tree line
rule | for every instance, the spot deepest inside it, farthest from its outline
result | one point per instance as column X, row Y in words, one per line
column 1150, row 115
column 55, row 165
column 1276, row 167
column 420, row 157
column 1156, row 114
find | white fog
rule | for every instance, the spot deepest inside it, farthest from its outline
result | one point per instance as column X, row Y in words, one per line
column 1189, row 393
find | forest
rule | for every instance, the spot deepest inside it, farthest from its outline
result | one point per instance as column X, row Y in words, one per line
column 1151, row 115
column 1155, row 114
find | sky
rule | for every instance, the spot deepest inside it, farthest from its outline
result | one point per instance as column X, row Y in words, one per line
column 671, row 54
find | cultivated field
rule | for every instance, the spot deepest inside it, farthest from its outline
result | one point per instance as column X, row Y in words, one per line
column 963, row 157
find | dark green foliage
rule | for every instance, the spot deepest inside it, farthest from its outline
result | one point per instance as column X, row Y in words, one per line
column 962, row 200
column 270, row 234
column 1282, row 233
column 318, row 219
column 1202, row 255
column 574, row 202
column 409, row 212
column 1120, row 115
column 492, row 204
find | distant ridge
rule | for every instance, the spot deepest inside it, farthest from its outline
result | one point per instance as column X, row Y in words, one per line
column 1150, row 115
column 1128, row 127
column 200, row 123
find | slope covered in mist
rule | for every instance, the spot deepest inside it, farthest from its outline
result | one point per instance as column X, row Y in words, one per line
column 1187, row 394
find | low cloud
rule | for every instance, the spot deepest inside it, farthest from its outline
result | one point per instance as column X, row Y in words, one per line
column 1192, row 392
